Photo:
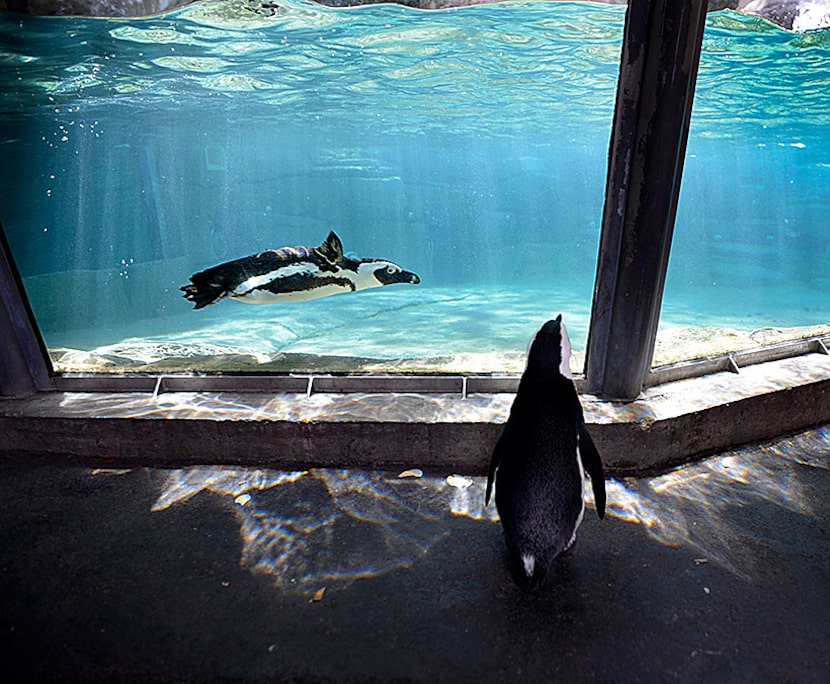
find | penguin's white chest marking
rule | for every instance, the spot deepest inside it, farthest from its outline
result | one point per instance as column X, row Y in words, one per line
column 255, row 282
column 268, row 297
column 581, row 498
column 298, row 283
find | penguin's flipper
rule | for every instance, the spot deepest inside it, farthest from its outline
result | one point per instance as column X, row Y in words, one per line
column 331, row 250
column 592, row 464
column 495, row 460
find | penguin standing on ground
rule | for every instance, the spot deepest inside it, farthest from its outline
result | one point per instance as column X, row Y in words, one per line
column 542, row 457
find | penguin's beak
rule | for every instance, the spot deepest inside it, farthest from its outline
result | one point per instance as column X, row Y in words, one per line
column 388, row 276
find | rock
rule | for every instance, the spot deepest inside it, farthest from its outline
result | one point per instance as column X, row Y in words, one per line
column 795, row 15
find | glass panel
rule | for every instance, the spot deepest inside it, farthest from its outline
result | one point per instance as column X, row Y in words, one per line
column 750, row 261
column 467, row 146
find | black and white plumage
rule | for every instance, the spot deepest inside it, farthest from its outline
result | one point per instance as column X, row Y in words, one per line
column 541, row 458
column 292, row 274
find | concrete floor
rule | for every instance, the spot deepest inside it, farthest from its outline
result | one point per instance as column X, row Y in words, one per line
column 718, row 572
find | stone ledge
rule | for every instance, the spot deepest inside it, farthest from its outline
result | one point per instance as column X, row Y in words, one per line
column 669, row 424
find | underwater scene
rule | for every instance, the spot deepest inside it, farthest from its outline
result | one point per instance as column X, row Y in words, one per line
column 465, row 147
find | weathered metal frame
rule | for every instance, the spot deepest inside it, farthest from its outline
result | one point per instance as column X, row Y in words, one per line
column 658, row 70
column 24, row 363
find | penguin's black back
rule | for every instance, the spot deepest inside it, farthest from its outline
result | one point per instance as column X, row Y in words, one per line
column 540, row 458
column 539, row 485
column 213, row 283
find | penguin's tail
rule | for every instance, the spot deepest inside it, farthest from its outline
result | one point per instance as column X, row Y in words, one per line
column 203, row 293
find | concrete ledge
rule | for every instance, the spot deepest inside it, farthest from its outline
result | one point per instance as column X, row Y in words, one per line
column 667, row 425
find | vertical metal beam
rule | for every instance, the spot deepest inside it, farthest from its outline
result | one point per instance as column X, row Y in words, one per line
column 24, row 365
column 660, row 55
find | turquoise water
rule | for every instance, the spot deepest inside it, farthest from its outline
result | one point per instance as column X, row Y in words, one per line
column 467, row 145
column 751, row 244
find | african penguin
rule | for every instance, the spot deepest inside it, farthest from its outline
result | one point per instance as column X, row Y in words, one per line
column 541, row 459
column 292, row 274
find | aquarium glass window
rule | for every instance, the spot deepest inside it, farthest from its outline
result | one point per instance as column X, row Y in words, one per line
column 466, row 146
column 750, row 262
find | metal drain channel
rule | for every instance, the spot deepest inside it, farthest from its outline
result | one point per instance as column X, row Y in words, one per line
column 464, row 385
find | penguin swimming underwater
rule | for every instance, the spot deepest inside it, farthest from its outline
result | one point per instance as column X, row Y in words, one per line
column 292, row 274
column 542, row 457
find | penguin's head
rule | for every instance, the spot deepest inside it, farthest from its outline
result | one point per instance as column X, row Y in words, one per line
column 549, row 350
column 387, row 273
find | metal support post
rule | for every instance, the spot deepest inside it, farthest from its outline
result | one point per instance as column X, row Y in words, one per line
column 24, row 368
column 660, row 55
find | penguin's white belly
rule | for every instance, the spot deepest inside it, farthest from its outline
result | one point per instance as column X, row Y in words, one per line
column 268, row 297
column 313, row 284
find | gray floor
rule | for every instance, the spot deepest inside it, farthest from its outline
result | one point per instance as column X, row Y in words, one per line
column 717, row 572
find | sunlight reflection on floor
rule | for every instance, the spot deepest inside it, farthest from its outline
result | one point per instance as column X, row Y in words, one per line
column 305, row 528
column 298, row 408
column 308, row 527
column 693, row 505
